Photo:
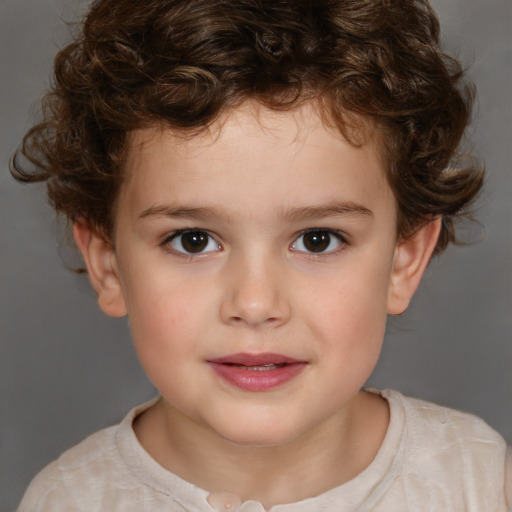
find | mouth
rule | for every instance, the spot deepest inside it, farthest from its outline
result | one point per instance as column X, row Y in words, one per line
column 257, row 372
column 264, row 367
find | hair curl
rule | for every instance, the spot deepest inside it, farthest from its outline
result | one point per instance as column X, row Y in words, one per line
column 183, row 62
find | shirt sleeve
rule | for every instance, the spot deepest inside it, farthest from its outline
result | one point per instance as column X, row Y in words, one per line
column 508, row 478
column 47, row 493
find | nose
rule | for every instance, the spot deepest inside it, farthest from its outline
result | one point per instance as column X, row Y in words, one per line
column 256, row 294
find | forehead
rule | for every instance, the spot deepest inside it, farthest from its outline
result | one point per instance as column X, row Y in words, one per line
column 281, row 127
column 290, row 156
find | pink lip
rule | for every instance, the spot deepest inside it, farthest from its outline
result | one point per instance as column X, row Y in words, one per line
column 235, row 369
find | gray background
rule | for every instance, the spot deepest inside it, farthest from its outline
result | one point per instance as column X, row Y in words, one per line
column 66, row 370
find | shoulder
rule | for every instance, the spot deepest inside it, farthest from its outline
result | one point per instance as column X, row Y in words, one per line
column 91, row 476
column 60, row 485
column 450, row 452
column 443, row 422
column 444, row 427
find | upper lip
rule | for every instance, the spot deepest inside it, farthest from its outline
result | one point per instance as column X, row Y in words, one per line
column 255, row 359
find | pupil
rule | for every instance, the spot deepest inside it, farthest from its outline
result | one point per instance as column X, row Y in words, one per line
column 317, row 241
column 195, row 241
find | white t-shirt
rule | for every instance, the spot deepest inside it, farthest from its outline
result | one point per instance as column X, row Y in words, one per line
column 433, row 459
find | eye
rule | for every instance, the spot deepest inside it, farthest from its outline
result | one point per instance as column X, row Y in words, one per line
column 318, row 241
column 193, row 241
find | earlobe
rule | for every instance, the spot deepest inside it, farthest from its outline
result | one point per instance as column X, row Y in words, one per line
column 411, row 259
column 100, row 260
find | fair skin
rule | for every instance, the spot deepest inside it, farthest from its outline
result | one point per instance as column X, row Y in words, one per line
column 269, row 236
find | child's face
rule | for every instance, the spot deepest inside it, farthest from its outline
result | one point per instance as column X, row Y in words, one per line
column 272, row 238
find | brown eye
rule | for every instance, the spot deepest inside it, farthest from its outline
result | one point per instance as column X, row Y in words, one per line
column 318, row 241
column 193, row 242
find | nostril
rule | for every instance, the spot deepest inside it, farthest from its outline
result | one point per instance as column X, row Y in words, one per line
column 239, row 320
column 251, row 301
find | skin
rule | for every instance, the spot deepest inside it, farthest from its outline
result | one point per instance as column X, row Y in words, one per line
column 254, row 184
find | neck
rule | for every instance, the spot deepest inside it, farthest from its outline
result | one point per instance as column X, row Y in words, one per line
column 323, row 458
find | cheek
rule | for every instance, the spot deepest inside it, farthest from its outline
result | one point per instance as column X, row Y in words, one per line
column 356, row 325
column 165, row 339
column 350, row 316
column 355, row 296
column 354, row 343
column 163, row 318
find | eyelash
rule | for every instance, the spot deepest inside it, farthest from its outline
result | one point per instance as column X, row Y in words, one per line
column 339, row 237
column 167, row 243
column 208, row 238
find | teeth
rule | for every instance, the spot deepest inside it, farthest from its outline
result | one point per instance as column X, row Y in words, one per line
column 270, row 366
column 264, row 367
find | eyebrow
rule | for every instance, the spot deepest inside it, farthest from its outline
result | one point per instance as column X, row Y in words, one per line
column 181, row 212
column 328, row 210
column 292, row 214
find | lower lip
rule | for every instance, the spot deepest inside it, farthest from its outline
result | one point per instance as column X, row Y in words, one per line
column 257, row 380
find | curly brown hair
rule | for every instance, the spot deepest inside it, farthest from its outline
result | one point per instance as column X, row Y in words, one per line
column 181, row 63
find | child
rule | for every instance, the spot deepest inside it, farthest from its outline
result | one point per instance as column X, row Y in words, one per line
column 257, row 185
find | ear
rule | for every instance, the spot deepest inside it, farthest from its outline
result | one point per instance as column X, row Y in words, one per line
column 101, row 263
column 411, row 259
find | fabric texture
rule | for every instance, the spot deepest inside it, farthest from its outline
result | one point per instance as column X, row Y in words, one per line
column 432, row 459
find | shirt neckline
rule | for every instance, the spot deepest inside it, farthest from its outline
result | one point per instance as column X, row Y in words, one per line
column 367, row 487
